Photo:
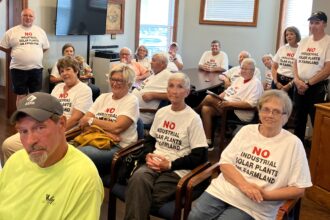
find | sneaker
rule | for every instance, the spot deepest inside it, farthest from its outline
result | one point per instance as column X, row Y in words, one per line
column 210, row 148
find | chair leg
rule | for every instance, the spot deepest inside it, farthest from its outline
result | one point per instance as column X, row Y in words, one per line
column 112, row 207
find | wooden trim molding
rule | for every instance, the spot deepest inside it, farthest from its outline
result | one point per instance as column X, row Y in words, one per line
column 202, row 19
column 137, row 22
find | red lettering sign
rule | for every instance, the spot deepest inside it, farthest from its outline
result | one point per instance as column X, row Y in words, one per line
column 63, row 95
column 311, row 49
column 28, row 33
column 258, row 151
column 168, row 124
column 110, row 110
column 290, row 54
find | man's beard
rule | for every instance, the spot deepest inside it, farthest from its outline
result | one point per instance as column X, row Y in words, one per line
column 39, row 158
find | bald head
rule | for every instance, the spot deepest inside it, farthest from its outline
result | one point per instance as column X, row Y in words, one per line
column 27, row 17
column 242, row 55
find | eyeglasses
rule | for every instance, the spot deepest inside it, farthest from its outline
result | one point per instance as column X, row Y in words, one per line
column 274, row 112
column 118, row 81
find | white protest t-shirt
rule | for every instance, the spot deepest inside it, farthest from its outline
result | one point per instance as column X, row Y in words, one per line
column 154, row 83
column 219, row 60
column 248, row 92
column 27, row 45
column 107, row 108
column 271, row 163
column 285, row 58
column 311, row 56
column 177, row 133
column 78, row 97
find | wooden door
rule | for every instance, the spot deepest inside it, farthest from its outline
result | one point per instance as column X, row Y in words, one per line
column 320, row 157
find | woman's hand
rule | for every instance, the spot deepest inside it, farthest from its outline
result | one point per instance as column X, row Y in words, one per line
column 157, row 162
column 83, row 122
column 253, row 191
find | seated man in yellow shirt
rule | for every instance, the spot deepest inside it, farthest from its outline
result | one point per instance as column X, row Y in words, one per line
column 48, row 179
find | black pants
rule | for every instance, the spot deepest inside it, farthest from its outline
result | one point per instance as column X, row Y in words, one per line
column 304, row 105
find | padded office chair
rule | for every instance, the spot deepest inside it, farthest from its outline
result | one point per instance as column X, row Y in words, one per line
column 289, row 210
column 226, row 123
column 162, row 104
column 170, row 210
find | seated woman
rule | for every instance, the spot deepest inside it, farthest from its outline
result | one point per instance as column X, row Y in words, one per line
column 263, row 166
column 244, row 92
column 75, row 96
column 117, row 113
column 85, row 73
column 177, row 143
column 141, row 56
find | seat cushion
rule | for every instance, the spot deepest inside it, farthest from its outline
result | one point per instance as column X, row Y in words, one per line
column 119, row 191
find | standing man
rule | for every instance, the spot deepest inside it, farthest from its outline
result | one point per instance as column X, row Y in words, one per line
column 311, row 70
column 50, row 179
column 26, row 44
column 175, row 62
column 214, row 60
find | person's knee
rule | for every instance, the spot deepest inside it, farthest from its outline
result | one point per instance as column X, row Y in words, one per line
column 11, row 145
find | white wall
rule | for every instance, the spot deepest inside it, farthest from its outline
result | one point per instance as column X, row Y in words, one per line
column 45, row 17
column 257, row 40
column 323, row 5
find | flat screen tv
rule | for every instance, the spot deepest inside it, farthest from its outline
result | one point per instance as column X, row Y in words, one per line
column 81, row 17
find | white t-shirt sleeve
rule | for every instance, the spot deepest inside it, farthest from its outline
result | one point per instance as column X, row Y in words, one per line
column 196, row 133
column 83, row 101
column 55, row 72
column 202, row 59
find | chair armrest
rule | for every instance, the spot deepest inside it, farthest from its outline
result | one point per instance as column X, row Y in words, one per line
column 194, row 182
column 118, row 155
column 181, row 187
column 286, row 208
column 148, row 110
column 72, row 133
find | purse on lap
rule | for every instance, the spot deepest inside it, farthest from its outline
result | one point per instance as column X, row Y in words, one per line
column 94, row 136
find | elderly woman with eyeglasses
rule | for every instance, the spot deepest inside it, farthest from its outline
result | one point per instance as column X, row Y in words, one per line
column 117, row 113
column 263, row 166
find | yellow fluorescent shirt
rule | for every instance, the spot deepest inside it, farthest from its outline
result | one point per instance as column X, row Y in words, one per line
column 69, row 189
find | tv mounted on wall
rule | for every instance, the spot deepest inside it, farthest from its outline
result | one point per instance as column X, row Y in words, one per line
column 81, row 17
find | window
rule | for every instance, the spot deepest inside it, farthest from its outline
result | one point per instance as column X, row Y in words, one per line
column 229, row 12
column 294, row 13
column 156, row 24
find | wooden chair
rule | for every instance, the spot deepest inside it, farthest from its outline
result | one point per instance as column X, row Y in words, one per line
column 170, row 210
column 225, row 123
column 289, row 210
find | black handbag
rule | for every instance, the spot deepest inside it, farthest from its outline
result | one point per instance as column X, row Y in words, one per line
column 129, row 164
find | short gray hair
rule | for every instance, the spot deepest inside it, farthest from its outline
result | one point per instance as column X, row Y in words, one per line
column 162, row 58
column 128, row 73
column 181, row 76
column 279, row 94
column 249, row 61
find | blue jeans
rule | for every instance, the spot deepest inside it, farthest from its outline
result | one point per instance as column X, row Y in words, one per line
column 208, row 207
column 101, row 158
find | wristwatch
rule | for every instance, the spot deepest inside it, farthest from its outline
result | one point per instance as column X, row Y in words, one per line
column 90, row 121
column 307, row 83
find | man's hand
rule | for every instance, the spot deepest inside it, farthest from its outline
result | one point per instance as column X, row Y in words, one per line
column 147, row 96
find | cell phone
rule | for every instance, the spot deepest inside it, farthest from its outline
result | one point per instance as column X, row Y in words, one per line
column 213, row 94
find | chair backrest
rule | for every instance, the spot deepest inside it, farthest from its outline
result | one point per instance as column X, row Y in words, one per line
column 50, row 85
column 140, row 129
